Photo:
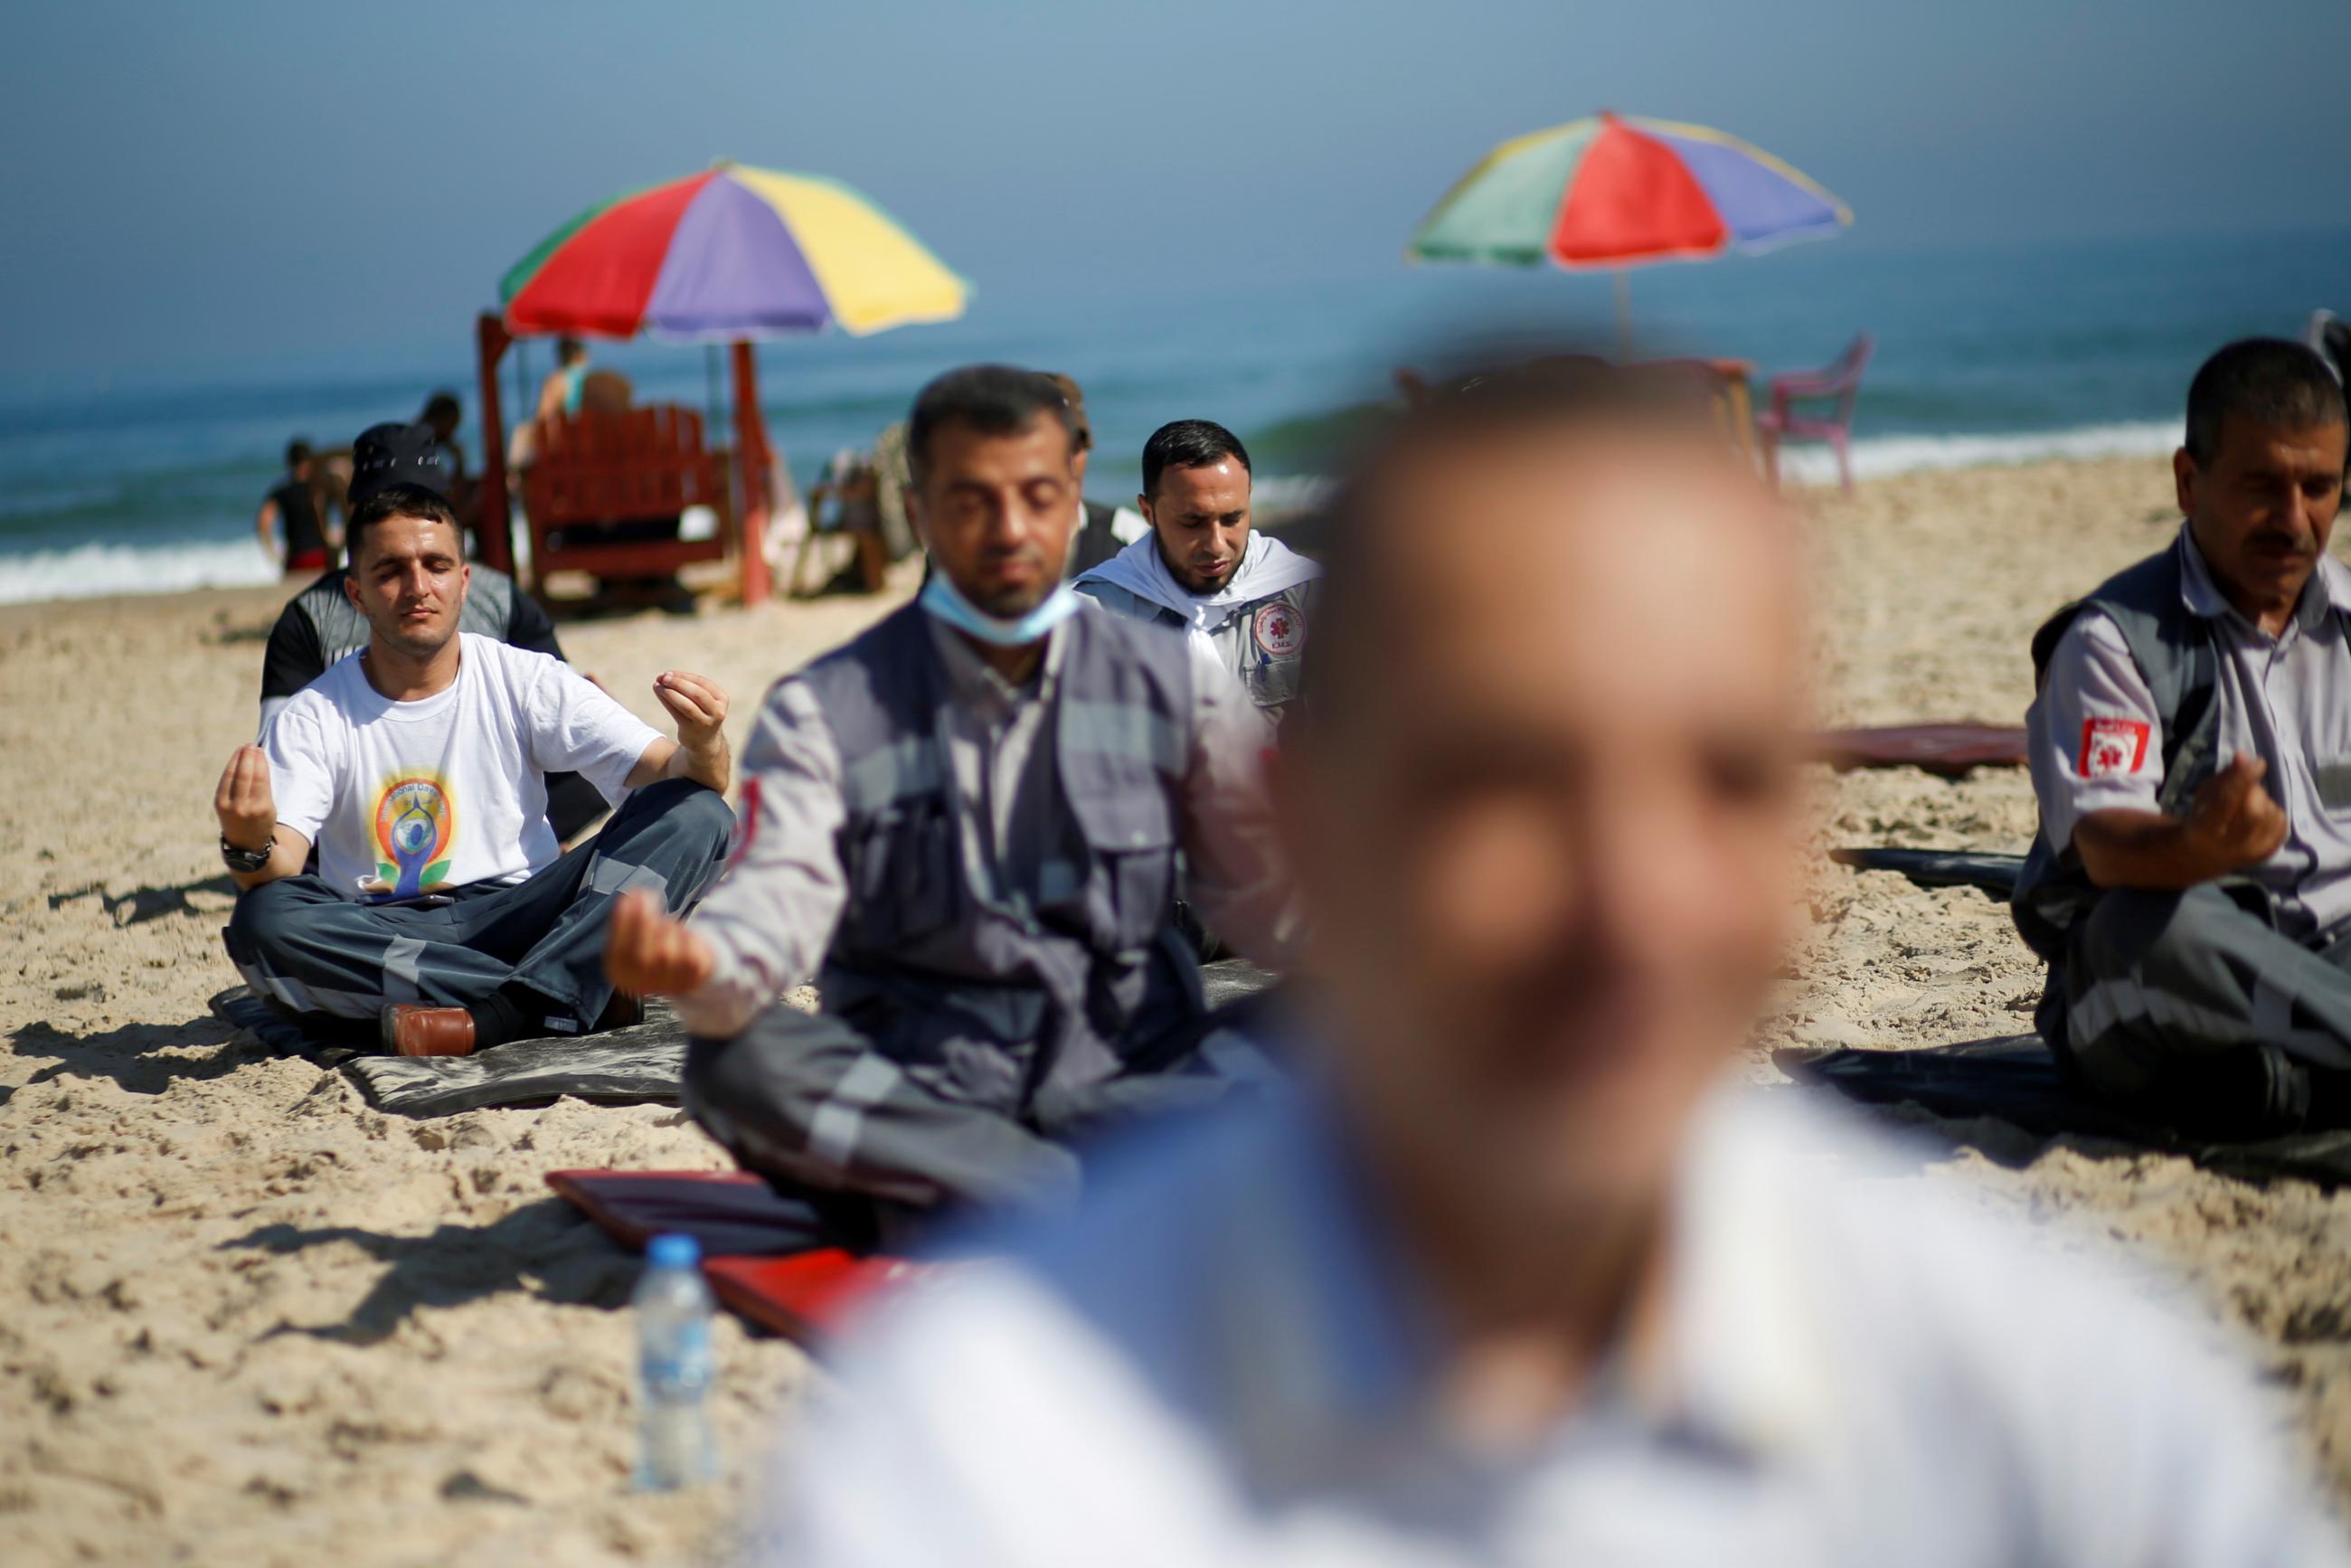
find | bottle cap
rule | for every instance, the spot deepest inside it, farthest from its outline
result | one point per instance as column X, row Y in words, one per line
column 675, row 1252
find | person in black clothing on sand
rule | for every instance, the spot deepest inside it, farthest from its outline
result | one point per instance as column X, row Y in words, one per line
column 292, row 510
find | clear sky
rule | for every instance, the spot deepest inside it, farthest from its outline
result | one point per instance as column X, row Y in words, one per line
column 240, row 182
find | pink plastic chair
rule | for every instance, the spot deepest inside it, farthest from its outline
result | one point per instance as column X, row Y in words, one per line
column 1841, row 381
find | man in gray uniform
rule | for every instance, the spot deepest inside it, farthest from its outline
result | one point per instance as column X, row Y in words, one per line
column 2191, row 751
column 1202, row 570
column 970, row 816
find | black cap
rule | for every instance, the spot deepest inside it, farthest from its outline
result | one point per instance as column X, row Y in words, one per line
column 387, row 455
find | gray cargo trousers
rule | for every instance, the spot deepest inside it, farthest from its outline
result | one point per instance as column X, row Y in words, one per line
column 326, row 959
column 2192, row 1007
column 808, row 1101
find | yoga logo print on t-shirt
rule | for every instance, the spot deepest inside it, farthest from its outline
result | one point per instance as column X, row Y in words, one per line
column 415, row 836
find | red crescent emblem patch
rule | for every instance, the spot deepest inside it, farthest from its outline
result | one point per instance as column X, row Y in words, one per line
column 2111, row 746
column 1279, row 629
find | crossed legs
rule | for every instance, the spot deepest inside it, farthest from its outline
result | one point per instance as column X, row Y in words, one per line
column 533, row 951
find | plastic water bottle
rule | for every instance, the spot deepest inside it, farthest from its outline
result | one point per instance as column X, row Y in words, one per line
column 673, row 1306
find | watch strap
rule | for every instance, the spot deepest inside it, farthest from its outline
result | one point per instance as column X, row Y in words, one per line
column 244, row 859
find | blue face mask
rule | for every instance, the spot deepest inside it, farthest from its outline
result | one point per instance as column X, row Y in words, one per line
column 940, row 599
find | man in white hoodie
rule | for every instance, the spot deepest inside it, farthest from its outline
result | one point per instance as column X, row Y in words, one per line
column 1201, row 569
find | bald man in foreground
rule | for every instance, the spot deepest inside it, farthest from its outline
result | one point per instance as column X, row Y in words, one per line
column 1515, row 1274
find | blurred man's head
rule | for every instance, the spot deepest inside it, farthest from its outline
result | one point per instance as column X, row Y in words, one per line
column 1196, row 493
column 297, row 459
column 997, row 484
column 408, row 575
column 1545, row 811
column 1082, row 429
column 2261, row 476
column 443, row 413
column 569, row 351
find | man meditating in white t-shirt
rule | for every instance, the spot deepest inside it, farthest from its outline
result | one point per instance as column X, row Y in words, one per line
column 441, row 909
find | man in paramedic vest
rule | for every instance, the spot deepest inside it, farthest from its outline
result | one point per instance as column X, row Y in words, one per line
column 1203, row 570
column 2191, row 754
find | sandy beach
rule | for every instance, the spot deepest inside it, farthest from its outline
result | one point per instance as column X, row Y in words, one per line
column 248, row 1319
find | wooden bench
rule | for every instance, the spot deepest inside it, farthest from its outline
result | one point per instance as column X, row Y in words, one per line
column 600, row 469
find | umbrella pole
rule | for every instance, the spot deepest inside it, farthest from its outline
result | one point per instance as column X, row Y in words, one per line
column 493, row 508
column 751, row 459
column 1623, row 317
column 525, row 408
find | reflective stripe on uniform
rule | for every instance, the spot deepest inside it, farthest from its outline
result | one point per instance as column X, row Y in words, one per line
column 908, row 766
column 402, row 981
column 2126, row 1001
column 838, row 1123
column 614, row 877
column 2273, row 1008
column 302, row 999
column 1121, row 729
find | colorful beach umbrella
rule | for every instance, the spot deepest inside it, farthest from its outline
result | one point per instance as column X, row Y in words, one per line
column 731, row 253
column 1614, row 191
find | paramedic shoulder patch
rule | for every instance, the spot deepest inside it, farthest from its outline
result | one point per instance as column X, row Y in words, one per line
column 1279, row 629
column 2112, row 746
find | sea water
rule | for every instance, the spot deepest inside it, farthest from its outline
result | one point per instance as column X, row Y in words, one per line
column 1988, row 354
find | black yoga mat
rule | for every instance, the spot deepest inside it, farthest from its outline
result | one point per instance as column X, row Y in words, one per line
column 2016, row 1079
column 644, row 1064
column 1993, row 874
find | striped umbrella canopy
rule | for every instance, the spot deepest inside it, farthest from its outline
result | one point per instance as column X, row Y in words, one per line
column 728, row 254
column 1614, row 191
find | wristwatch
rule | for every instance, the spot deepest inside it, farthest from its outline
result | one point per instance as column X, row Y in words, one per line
column 248, row 861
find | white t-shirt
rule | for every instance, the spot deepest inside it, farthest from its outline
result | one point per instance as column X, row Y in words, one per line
column 409, row 798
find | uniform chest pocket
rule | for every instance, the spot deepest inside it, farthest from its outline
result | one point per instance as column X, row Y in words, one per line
column 1132, row 837
column 1272, row 684
column 900, row 864
column 2334, row 779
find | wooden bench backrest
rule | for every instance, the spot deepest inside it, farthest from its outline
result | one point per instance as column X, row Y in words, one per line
column 598, row 466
